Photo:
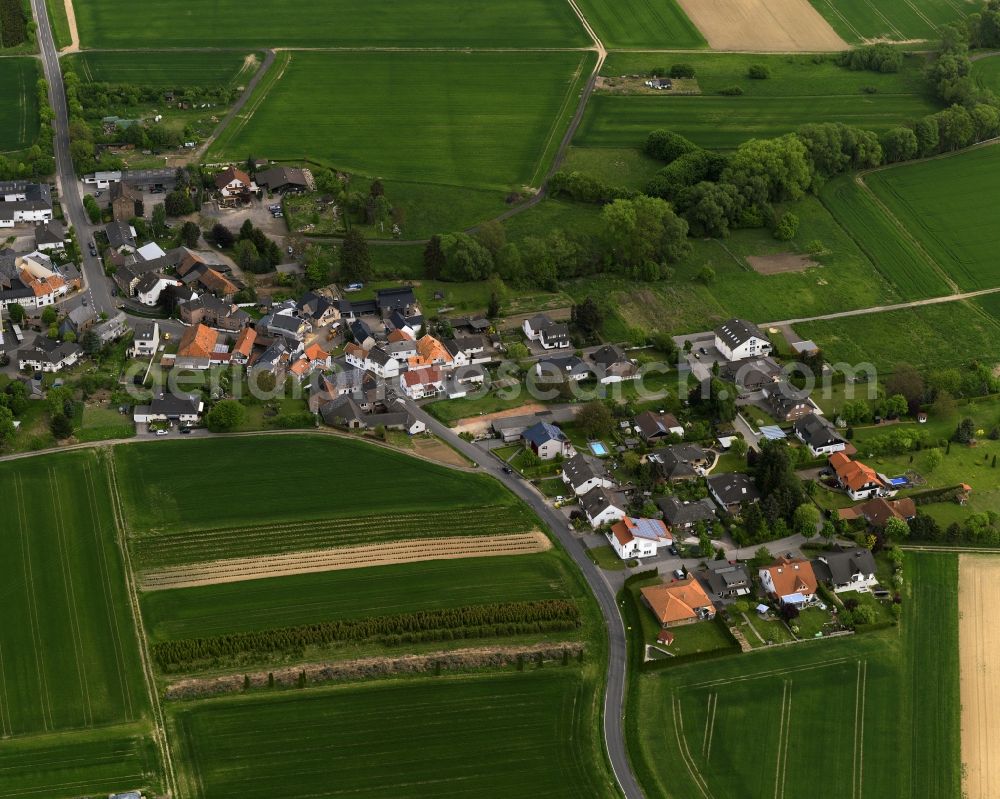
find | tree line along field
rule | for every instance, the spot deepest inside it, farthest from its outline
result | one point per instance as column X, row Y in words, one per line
column 213, row 610
column 871, row 716
column 19, row 119
column 490, row 120
column 285, row 479
column 70, row 657
column 470, row 736
column 654, row 24
column 859, row 21
column 71, row 764
column 941, row 203
column 110, row 24
column 166, row 69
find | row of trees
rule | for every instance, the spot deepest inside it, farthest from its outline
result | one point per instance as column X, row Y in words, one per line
column 497, row 618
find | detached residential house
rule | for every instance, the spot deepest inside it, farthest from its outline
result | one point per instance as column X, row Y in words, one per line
column 422, row 382
column 121, row 237
column 847, row 571
column 738, row 339
column 638, row 538
column 583, row 474
column 183, row 408
column 818, row 434
column 726, row 580
column 549, row 334
column 50, row 237
column 878, row 511
column 235, row 185
column 733, row 490
column 658, row 426
column 280, row 325
column 558, row 370
column 752, row 374
column 790, row 581
column 284, row 180
column 857, row 479
column 431, row 352
column 612, row 365
column 49, row 355
column 683, row 516
column 547, row 441
column 602, row 507
column 786, row 403
column 112, row 329
column 145, row 339
column 126, row 202
column 677, row 603
column 679, row 462
column 151, row 285
column 196, row 348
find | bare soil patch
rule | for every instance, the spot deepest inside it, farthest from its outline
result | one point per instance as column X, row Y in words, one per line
column 782, row 262
column 74, row 45
column 436, row 450
column 780, row 26
column 486, row 419
column 236, row 570
column 979, row 646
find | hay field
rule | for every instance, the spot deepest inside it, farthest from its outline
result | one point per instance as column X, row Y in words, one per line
column 781, row 26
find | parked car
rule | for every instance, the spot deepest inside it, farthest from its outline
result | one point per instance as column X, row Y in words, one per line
column 185, row 430
column 678, row 574
column 162, row 432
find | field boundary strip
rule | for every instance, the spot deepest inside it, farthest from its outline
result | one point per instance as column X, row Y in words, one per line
column 106, row 587
column 706, row 743
column 335, row 559
column 764, row 674
column 73, row 616
column 682, row 746
column 784, row 732
column 860, row 695
column 121, row 536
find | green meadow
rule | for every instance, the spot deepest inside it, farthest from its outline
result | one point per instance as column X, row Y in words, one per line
column 18, row 103
column 658, row 24
column 894, row 20
column 166, row 69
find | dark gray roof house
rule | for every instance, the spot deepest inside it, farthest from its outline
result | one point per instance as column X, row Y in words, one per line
column 120, row 236
column 558, row 369
column 725, row 579
column 579, row 470
column 283, row 179
column 684, row 515
column 736, row 332
column 842, row 569
column 393, row 299
column 679, row 462
column 816, row 432
column 733, row 489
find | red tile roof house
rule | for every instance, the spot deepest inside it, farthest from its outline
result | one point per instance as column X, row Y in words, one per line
column 638, row 538
column 857, row 479
column 425, row 382
column 790, row 581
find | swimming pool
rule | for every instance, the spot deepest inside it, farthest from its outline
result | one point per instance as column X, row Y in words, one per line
column 899, row 481
column 598, row 448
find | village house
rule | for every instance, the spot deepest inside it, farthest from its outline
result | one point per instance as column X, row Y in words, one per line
column 738, row 339
column 182, row 408
column 752, row 374
column 121, row 237
column 786, row 403
column 611, row 365
column 857, row 479
column 878, row 511
column 547, row 441
column 50, row 237
column 49, row 355
column 145, row 339
column 726, row 580
column 29, row 280
column 733, row 490
column 151, row 285
column 561, row 369
column 21, row 202
column 679, row 462
column 126, row 202
column 78, row 321
column 430, row 352
column 638, row 538
column 853, row 570
column 659, row 426
column 790, row 581
column 818, row 435
column 196, row 348
column 422, row 382
column 243, row 348
column 235, row 186
column 549, row 334
column 284, row 180
column 582, row 473
column 679, row 602
column 602, row 506
column 111, row 329
column 683, row 516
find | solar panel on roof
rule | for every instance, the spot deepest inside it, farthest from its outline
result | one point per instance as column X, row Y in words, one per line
column 773, row 433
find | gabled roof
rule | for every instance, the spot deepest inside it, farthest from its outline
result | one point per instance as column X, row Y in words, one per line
column 840, row 567
column 197, row 341
column 734, row 488
column 792, row 576
column 815, row 431
column 677, row 601
column 314, row 352
column 579, row 469
column 735, row 332
column 244, row 342
column 853, row 474
column 230, row 174
column 543, row 432
column 599, row 499
column 608, row 355
column 677, row 512
column 393, row 298
column 656, row 425
column 426, row 376
column 679, row 460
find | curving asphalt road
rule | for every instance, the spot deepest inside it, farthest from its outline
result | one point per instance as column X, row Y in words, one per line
column 614, row 695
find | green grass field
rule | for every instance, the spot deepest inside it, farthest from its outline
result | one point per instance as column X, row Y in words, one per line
column 856, row 717
column 986, row 72
column 893, row 254
column 717, row 122
column 895, row 20
column 68, row 765
column 491, row 120
column 641, row 23
column 972, row 335
column 356, row 593
column 18, row 103
column 69, row 652
column 112, row 24
column 626, row 167
column 59, row 22
column 165, row 69
column 940, row 202
column 474, row 736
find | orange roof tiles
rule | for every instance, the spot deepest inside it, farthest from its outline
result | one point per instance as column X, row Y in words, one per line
column 853, row 474
column 244, row 342
column 792, row 576
column 399, row 335
column 677, row 601
column 314, row 352
column 198, row 341
column 429, row 350
column 430, row 374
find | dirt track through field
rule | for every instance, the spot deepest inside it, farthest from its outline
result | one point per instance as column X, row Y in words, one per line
column 237, row 570
column 979, row 645
column 783, row 26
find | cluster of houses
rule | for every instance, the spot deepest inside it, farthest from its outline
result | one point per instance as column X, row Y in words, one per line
column 33, row 280
column 235, row 187
column 788, row 580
